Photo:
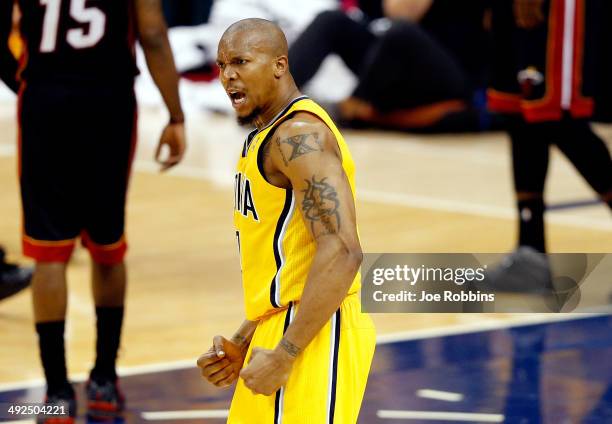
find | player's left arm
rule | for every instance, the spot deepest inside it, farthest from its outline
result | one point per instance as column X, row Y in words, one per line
column 307, row 154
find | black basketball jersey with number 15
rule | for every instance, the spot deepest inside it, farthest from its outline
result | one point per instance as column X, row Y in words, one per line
column 89, row 41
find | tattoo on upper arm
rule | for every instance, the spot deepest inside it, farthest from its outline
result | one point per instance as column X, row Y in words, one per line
column 301, row 144
column 290, row 348
column 320, row 207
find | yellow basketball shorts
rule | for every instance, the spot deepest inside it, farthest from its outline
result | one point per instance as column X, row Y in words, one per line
column 328, row 379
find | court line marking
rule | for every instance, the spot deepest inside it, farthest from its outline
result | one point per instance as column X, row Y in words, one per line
column 7, row 150
column 184, row 171
column 437, row 415
column 123, row 371
column 480, row 326
column 19, row 422
column 445, row 205
column 185, row 415
column 575, row 204
column 389, row 198
column 473, row 327
column 407, row 200
column 439, row 395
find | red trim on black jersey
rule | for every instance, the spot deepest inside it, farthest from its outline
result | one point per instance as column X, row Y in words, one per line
column 549, row 107
column 25, row 55
column 581, row 106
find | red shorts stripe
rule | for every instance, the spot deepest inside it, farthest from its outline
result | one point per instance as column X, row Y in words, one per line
column 500, row 102
column 105, row 254
column 47, row 251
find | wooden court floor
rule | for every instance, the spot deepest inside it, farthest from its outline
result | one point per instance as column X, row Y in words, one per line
column 415, row 194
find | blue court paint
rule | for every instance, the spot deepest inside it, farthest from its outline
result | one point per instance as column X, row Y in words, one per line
column 556, row 373
column 574, row 205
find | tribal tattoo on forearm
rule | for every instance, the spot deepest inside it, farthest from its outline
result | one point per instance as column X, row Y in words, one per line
column 301, row 144
column 320, row 207
column 290, row 348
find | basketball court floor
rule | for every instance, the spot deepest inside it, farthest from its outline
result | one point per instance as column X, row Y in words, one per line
column 415, row 194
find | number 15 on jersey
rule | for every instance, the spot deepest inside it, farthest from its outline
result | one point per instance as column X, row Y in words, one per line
column 79, row 38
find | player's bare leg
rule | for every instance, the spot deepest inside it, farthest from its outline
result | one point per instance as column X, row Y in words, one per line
column 49, row 292
column 108, row 284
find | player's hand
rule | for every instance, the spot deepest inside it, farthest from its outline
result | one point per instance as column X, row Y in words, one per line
column 267, row 370
column 222, row 363
column 528, row 13
column 172, row 136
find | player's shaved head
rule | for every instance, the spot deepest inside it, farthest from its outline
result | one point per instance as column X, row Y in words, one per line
column 258, row 34
column 254, row 69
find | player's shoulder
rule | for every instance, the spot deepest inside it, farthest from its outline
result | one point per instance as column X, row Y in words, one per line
column 303, row 123
column 304, row 133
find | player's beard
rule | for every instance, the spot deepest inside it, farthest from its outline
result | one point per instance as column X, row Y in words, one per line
column 248, row 120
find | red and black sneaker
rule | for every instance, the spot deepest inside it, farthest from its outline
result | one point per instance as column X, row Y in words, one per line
column 105, row 402
column 59, row 408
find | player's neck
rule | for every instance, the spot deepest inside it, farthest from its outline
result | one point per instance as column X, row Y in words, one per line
column 277, row 105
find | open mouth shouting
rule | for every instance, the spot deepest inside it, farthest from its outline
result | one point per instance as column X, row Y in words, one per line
column 237, row 97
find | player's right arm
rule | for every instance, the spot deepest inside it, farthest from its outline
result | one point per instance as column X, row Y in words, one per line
column 222, row 363
column 153, row 35
column 8, row 63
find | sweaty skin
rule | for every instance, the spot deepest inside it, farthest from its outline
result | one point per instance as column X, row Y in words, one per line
column 303, row 156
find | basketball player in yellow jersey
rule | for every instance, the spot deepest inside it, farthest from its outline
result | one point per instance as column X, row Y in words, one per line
column 304, row 352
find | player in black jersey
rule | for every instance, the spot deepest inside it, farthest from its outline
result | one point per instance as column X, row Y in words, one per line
column 544, row 78
column 77, row 132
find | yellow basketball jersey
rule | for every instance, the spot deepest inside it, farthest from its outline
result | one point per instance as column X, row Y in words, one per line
column 276, row 248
